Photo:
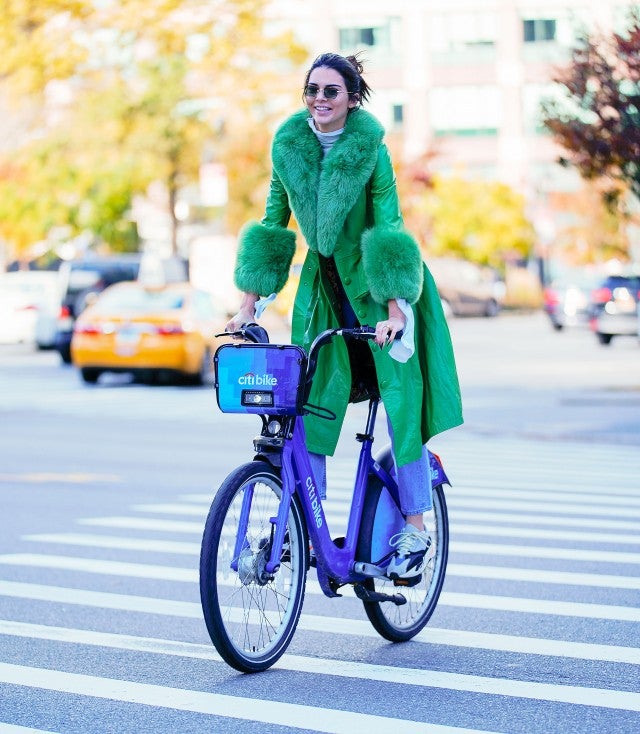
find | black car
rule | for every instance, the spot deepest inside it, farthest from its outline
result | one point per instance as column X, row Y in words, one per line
column 81, row 281
column 614, row 307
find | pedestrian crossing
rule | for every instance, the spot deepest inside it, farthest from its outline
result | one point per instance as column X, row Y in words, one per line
column 113, row 398
column 536, row 629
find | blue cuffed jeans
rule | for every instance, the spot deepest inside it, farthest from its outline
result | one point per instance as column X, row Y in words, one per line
column 414, row 481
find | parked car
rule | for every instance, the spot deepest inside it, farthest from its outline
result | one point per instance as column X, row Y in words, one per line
column 81, row 281
column 148, row 330
column 24, row 296
column 567, row 298
column 614, row 307
column 467, row 289
column 47, row 316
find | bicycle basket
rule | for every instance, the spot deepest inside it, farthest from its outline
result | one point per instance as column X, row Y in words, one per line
column 260, row 378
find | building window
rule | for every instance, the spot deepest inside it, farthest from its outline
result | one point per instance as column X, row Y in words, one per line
column 538, row 30
column 379, row 36
column 466, row 110
column 456, row 32
column 397, row 114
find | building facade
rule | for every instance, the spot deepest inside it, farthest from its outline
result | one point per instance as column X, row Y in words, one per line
column 463, row 79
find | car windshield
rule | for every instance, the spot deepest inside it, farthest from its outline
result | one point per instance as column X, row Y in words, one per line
column 138, row 300
column 80, row 280
column 84, row 276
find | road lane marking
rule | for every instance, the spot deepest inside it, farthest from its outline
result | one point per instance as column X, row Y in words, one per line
column 63, row 478
column 547, row 497
column 430, row 635
column 493, row 519
column 625, row 700
column 544, row 576
column 456, row 528
column 266, row 711
column 554, row 509
column 560, row 554
column 144, row 523
column 169, row 607
column 111, row 541
column 191, row 575
column 505, row 573
column 173, row 509
column 538, row 533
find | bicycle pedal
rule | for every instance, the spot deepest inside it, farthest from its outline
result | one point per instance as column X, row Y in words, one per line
column 414, row 581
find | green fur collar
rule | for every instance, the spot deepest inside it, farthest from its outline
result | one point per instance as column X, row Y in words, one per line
column 323, row 191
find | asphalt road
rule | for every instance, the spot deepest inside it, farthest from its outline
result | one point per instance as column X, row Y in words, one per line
column 103, row 492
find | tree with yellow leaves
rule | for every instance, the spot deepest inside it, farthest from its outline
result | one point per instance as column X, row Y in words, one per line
column 123, row 94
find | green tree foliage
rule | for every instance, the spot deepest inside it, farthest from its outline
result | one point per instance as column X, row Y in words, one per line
column 131, row 92
column 598, row 120
column 480, row 221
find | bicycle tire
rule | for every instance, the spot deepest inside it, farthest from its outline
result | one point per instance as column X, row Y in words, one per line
column 251, row 621
column 381, row 518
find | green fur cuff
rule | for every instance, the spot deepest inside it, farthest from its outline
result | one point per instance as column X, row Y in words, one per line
column 392, row 265
column 264, row 258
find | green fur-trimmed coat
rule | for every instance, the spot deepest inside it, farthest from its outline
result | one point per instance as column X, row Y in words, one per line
column 346, row 206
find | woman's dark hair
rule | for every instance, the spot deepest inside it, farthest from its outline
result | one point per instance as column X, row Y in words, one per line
column 350, row 69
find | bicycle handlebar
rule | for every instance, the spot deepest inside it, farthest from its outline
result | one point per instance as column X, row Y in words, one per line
column 364, row 333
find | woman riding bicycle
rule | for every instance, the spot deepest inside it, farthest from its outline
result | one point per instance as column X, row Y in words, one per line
column 332, row 170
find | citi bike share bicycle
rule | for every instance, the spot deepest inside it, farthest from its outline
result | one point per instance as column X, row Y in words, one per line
column 256, row 542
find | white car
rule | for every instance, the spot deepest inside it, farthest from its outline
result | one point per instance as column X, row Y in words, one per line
column 25, row 298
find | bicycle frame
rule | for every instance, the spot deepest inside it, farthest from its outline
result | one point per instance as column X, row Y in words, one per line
column 335, row 563
column 266, row 512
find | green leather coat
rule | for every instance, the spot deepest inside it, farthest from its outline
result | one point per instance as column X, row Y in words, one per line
column 346, row 206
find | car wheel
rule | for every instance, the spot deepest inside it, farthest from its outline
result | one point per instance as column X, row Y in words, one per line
column 202, row 377
column 604, row 338
column 492, row 309
column 90, row 375
column 65, row 354
column 206, row 367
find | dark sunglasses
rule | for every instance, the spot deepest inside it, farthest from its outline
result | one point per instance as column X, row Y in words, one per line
column 330, row 92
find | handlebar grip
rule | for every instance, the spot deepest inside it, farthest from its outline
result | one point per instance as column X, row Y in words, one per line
column 367, row 332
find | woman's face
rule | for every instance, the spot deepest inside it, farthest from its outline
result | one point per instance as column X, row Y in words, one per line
column 328, row 114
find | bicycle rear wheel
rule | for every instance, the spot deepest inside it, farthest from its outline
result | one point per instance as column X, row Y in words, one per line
column 381, row 519
column 250, row 616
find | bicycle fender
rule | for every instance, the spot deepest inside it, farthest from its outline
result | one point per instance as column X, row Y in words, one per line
column 438, row 474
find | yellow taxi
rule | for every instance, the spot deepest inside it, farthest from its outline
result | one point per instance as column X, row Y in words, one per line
column 150, row 331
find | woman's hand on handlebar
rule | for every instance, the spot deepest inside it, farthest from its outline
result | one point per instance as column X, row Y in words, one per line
column 246, row 314
column 387, row 330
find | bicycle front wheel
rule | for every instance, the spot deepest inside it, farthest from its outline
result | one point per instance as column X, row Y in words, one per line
column 250, row 615
column 381, row 519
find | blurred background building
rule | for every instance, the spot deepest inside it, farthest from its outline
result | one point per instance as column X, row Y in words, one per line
column 463, row 80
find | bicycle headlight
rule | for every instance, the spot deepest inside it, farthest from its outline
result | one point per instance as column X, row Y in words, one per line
column 257, row 397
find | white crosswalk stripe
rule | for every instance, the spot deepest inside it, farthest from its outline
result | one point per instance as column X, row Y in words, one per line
column 544, row 555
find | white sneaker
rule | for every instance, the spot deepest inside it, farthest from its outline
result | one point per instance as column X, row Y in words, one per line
column 413, row 549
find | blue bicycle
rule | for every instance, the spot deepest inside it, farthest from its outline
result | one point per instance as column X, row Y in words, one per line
column 267, row 514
